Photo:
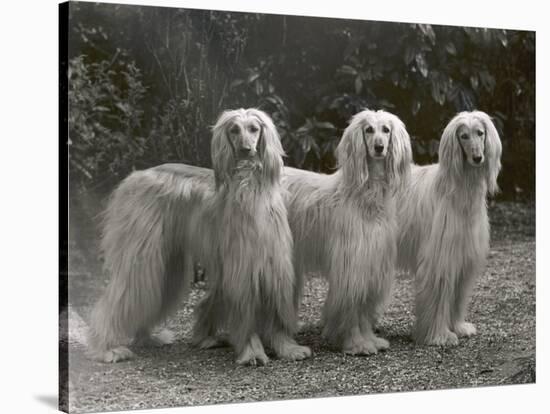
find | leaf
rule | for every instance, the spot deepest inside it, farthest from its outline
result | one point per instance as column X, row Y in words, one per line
column 348, row 70
column 428, row 31
column 259, row 88
column 367, row 75
column 416, row 107
column 276, row 101
column 410, row 53
column 306, row 144
column 304, row 129
column 421, row 64
column 324, row 125
column 236, row 83
column 438, row 91
column 501, row 34
column 450, row 48
column 358, row 84
column 474, row 81
column 253, row 77
column 386, row 104
column 315, row 148
column 123, row 107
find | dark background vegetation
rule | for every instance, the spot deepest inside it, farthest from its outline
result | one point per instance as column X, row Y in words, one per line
column 146, row 83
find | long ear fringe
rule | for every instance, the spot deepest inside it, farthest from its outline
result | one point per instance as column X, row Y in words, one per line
column 451, row 159
column 351, row 154
column 223, row 160
column 493, row 151
column 400, row 155
column 270, row 148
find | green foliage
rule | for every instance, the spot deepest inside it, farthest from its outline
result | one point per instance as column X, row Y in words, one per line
column 147, row 83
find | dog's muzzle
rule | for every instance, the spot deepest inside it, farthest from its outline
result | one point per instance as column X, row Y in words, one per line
column 247, row 153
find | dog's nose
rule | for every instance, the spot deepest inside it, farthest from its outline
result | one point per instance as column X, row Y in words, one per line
column 378, row 148
column 477, row 159
column 246, row 151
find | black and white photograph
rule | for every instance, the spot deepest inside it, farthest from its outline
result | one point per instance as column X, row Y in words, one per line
column 273, row 206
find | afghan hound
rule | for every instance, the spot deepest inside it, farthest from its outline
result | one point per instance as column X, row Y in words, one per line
column 235, row 223
column 344, row 227
column 444, row 229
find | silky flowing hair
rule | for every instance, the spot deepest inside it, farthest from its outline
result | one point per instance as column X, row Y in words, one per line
column 160, row 220
column 444, row 231
column 344, row 227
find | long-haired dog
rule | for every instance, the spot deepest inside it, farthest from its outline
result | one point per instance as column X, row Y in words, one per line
column 344, row 227
column 444, row 229
column 236, row 224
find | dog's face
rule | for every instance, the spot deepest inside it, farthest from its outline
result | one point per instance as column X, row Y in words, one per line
column 471, row 135
column 471, row 140
column 371, row 136
column 246, row 139
column 244, row 133
column 377, row 129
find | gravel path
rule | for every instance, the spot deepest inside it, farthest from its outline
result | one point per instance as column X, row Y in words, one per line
column 503, row 352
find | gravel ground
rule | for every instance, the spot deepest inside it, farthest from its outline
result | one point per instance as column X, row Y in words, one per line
column 503, row 352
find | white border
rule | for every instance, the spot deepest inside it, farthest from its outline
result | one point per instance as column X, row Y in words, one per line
column 28, row 171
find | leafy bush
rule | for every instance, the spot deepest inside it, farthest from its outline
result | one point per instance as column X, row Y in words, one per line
column 104, row 119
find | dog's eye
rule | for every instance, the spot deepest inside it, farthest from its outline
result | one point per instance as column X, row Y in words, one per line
column 369, row 130
column 464, row 136
column 253, row 128
column 235, row 129
column 385, row 129
column 479, row 133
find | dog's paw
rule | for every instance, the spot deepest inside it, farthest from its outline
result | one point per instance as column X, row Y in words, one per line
column 118, row 354
column 465, row 329
column 210, row 342
column 445, row 338
column 248, row 357
column 160, row 338
column 163, row 337
column 360, row 347
column 295, row 352
column 381, row 344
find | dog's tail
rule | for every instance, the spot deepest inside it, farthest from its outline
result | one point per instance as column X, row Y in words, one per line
column 143, row 242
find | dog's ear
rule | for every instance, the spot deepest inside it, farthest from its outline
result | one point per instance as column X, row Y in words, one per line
column 451, row 158
column 400, row 154
column 351, row 153
column 493, row 151
column 269, row 148
column 222, row 152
